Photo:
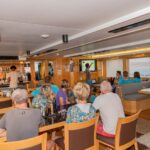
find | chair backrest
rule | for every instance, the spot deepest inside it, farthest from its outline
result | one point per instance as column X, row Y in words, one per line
column 126, row 131
column 81, row 136
column 27, row 144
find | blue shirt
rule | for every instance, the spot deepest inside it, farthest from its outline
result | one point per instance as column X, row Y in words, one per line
column 92, row 98
column 125, row 81
column 137, row 80
column 37, row 91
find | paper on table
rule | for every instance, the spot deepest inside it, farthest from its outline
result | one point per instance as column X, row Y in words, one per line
column 147, row 89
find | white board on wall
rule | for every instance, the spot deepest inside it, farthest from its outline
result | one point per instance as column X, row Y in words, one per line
column 112, row 66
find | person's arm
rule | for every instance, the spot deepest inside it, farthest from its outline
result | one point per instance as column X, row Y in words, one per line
column 3, row 122
column 96, row 103
column 69, row 115
column 41, row 120
column 61, row 101
column 8, row 77
column 90, row 65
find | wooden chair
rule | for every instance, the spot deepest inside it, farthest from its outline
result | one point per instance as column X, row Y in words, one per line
column 125, row 136
column 79, row 136
column 38, row 142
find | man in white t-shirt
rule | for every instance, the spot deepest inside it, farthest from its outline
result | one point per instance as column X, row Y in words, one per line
column 13, row 77
column 111, row 109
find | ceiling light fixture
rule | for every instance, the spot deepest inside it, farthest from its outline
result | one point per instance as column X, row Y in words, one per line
column 45, row 36
column 121, row 53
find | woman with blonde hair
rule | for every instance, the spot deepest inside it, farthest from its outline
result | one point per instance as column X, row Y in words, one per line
column 82, row 111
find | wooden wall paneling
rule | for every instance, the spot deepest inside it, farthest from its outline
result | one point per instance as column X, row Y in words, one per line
column 32, row 73
column 104, row 69
column 125, row 64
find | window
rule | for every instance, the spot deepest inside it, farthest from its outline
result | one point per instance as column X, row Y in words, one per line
column 141, row 65
column 112, row 66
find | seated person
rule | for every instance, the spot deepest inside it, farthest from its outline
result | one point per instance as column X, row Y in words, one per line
column 82, row 111
column 61, row 97
column 119, row 75
column 125, row 79
column 21, row 122
column 70, row 95
column 111, row 109
column 53, row 87
column 44, row 99
column 93, row 94
column 137, row 78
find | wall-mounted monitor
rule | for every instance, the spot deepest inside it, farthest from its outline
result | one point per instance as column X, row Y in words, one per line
column 91, row 62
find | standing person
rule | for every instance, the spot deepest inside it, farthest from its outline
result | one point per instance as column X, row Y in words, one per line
column 21, row 122
column 13, row 77
column 111, row 109
column 88, row 74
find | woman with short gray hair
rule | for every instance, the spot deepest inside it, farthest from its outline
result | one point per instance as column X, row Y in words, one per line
column 21, row 122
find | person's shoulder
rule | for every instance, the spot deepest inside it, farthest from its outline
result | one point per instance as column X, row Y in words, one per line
column 73, row 108
column 10, row 112
column 35, row 110
column 92, row 108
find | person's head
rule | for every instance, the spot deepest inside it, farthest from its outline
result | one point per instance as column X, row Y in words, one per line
column 118, row 73
column 125, row 74
column 137, row 75
column 105, row 87
column 47, row 79
column 64, row 84
column 87, row 65
column 19, row 96
column 50, row 65
column 13, row 68
column 81, row 91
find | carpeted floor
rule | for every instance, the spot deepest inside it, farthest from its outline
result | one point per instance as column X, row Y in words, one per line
column 143, row 134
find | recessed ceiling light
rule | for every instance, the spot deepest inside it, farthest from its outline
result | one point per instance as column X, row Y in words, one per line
column 45, row 36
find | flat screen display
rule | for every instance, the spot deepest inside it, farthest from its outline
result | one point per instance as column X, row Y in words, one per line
column 91, row 62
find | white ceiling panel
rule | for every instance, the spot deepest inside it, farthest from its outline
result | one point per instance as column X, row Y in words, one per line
column 22, row 22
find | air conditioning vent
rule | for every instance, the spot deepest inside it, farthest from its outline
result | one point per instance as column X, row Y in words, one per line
column 131, row 26
column 8, row 57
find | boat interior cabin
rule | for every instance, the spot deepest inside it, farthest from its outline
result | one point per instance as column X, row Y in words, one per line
column 64, row 54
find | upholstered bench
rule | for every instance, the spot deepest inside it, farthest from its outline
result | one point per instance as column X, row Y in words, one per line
column 131, row 98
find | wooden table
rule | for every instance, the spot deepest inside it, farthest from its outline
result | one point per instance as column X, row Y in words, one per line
column 51, row 126
column 145, row 91
column 44, row 128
